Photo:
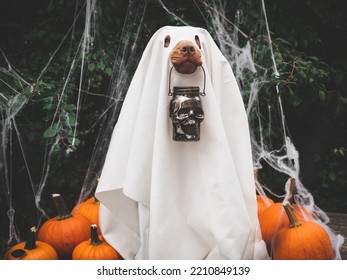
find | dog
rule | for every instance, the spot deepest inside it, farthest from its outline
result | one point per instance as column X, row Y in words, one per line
column 164, row 198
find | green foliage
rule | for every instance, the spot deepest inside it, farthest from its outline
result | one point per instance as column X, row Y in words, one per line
column 301, row 76
column 313, row 86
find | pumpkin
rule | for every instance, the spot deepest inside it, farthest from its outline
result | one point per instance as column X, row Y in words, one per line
column 263, row 203
column 273, row 219
column 65, row 231
column 31, row 249
column 96, row 248
column 301, row 240
column 89, row 209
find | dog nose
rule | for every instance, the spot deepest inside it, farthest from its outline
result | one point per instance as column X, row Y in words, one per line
column 188, row 49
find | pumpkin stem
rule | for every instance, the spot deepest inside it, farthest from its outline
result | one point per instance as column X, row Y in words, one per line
column 30, row 244
column 255, row 173
column 293, row 220
column 292, row 185
column 291, row 189
column 63, row 212
column 94, row 240
column 96, row 201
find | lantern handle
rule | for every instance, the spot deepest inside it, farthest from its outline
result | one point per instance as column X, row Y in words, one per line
column 170, row 92
column 203, row 93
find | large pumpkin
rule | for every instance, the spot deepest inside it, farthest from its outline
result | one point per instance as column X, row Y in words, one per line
column 89, row 209
column 95, row 248
column 31, row 249
column 274, row 218
column 65, row 231
column 301, row 240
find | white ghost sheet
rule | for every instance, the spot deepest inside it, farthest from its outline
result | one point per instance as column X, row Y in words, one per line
column 163, row 199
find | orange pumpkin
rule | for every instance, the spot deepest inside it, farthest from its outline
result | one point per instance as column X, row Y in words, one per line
column 31, row 250
column 273, row 219
column 65, row 231
column 89, row 209
column 95, row 248
column 263, row 203
column 301, row 240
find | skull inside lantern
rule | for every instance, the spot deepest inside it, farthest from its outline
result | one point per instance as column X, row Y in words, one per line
column 186, row 113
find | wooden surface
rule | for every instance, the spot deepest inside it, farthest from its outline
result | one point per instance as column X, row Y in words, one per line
column 338, row 222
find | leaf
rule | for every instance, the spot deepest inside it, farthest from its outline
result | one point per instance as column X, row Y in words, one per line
column 49, row 133
column 52, row 131
column 302, row 74
column 109, row 71
column 101, row 66
column 297, row 101
column 322, row 95
column 72, row 119
column 49, row 106
column 74, row 143
column 91, row 67
column 290, row 91
column 70, row 107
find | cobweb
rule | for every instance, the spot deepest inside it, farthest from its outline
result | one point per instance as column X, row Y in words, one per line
column 244, row 48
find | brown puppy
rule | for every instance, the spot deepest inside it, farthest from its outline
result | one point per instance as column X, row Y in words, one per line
column 185, row 57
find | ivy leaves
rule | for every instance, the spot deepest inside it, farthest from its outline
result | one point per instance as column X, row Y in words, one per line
column 302, row 77
column 64, row 128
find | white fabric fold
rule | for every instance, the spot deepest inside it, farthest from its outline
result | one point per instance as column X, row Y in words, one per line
column 163, row 199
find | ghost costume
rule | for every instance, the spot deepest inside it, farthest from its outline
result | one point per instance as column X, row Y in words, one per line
column 165, row 199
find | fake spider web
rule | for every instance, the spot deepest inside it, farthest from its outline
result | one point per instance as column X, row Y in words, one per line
column 241, row 48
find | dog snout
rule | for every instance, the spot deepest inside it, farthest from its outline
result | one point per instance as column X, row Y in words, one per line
column 186, row 57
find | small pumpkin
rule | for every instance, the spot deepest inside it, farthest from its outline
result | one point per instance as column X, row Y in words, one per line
column 263, row 203
column 273, row 218
column 96, row 248
column 65, row 231
column 89, row 209
column 301, row 240
column 31, row 249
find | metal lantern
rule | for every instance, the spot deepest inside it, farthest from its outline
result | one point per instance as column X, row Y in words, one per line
column 186, row 112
